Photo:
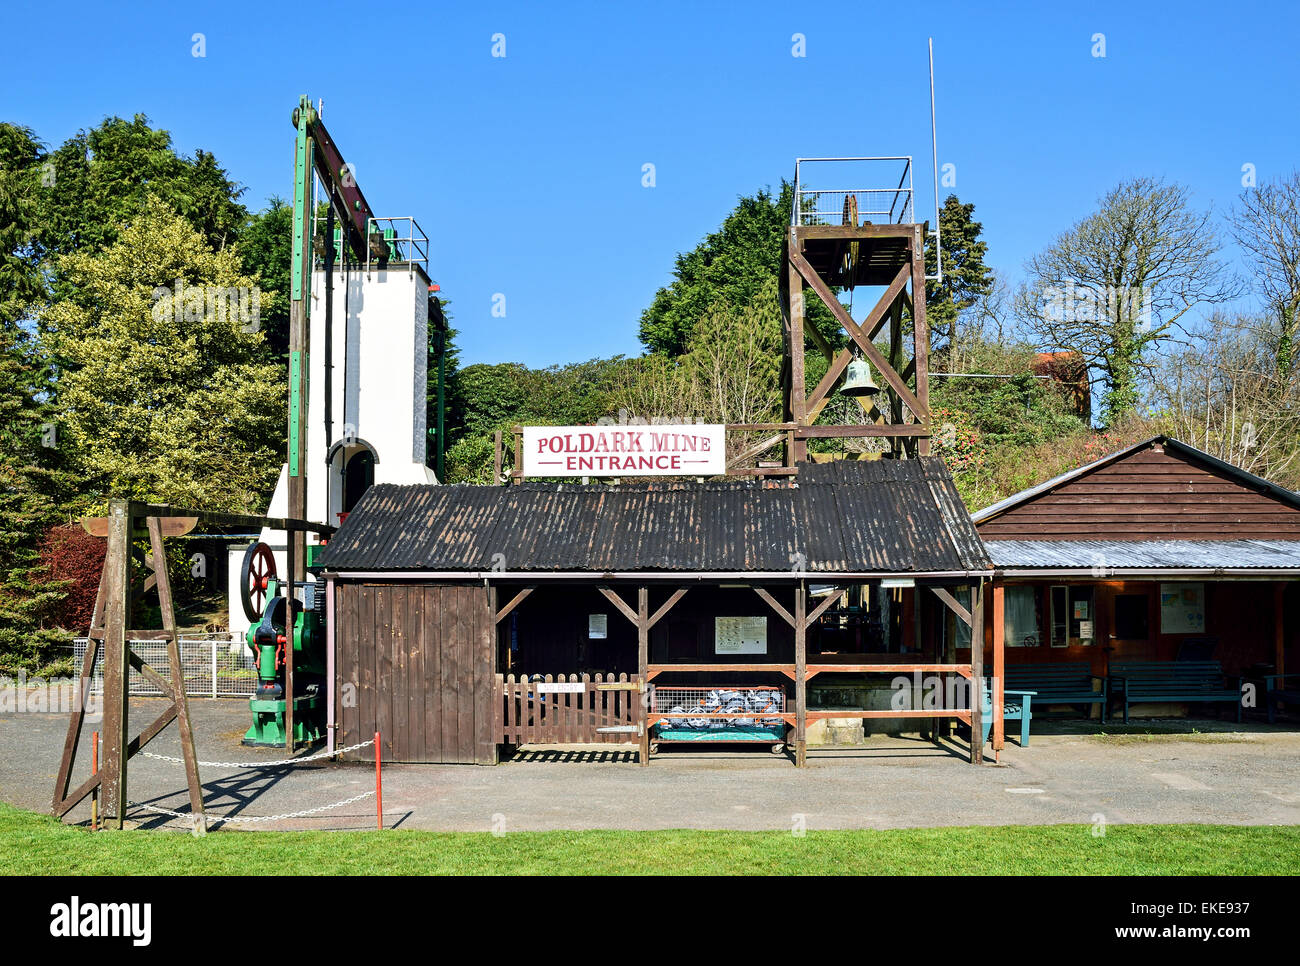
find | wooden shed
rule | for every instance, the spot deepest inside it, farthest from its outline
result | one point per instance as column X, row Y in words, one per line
column 465, row 618
column 1157, row 552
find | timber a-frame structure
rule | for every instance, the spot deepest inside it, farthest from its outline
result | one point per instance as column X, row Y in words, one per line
column 839, row 240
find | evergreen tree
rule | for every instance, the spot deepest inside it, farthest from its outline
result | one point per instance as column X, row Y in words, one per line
column 966, row 278
column 731, row 265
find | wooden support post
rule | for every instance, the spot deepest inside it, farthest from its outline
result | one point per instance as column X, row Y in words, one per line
column 78, row 717
column 643, row 664
column 800, row 675
column 795, row 334
column 920, row 334
column 977, row 676
column 497, row 459
column 999, row 666
column 179, row 698
column 1279, row 628
column 117, row 663
column 897, row 445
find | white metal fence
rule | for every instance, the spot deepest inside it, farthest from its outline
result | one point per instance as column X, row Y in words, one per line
column 211, row 668
column 883, row 196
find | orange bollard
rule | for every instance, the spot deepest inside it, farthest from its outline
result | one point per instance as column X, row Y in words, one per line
column 379, row 787
column 94, row 770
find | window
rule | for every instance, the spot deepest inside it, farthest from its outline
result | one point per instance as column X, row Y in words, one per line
column 1131, row 617
column 1072, row 617
column 1020, row 617
column 1060, row 616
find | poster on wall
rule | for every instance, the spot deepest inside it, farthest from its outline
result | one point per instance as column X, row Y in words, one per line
column 1182, row 608
column 740, row 635
column 598, row 626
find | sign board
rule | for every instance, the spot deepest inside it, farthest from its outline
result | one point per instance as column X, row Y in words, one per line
column 740, row 635
column 598, row 626
column 1182, row 608
column 558, row 687
column 1085, row 630
column 690, row 450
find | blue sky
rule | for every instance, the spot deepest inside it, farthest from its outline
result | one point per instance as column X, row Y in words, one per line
column 526, row 171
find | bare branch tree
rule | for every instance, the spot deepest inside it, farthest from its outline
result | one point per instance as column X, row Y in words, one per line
column 1121, row 282
column 1266, row 224
column 1225, row 394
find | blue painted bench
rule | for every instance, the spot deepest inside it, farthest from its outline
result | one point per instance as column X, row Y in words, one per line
column 1063, row 683
column 1276, row 693
column 1161, row 682
column 1016, row 706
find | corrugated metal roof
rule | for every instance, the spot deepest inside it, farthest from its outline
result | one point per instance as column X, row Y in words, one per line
column 1145, row 554
column 897, row 516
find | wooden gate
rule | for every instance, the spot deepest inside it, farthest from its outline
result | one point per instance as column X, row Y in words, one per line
column 569, row 709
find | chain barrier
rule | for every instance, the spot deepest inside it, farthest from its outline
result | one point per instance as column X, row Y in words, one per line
column 189, row 817
column 262, row 764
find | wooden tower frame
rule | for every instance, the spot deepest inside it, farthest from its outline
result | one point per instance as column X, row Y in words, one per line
column 825, row 257
column 110, row 634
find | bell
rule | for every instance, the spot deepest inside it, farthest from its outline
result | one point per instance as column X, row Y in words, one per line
column 858, row 382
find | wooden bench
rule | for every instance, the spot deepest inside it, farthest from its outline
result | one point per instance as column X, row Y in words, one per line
column 1067, row 683
column 1173, row 682
column 1277, row 692
column 1016, row 706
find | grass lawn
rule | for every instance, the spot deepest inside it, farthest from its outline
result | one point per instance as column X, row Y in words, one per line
column 33, row 844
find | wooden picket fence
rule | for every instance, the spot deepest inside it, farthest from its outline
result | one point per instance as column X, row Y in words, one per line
column 569, row 709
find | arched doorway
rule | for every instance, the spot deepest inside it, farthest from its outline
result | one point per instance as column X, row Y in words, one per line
column 351, row 472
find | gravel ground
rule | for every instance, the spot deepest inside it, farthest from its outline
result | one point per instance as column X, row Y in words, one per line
column 1214, row 772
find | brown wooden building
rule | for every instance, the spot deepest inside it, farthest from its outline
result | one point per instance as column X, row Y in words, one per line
column 1156, row 552
column 464, row 618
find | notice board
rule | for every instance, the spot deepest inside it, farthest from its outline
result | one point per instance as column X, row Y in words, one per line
column 1182, row 608
column 740, row 635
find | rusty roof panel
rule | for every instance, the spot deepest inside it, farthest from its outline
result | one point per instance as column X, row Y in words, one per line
column 897, row 516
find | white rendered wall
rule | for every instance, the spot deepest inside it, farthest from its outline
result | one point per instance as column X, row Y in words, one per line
column 380, row 344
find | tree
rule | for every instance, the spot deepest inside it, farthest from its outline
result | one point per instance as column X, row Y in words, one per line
column 1230, row 394
column 162, row 391
column 484, row 398
column 966, row 279
column 33, row 484
column 1119, row 283
column 99, row 180
column 21, row 156
column 265, row 246
column 730, row 265
column 1266, row 224
column 729, row 373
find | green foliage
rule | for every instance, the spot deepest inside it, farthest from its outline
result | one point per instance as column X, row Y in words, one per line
column 161, row 401
column 102, row 179
column 731, row 265
column 32, row 486
column 483, row 398
column 470, row 460
column 986, row 428
column 265, row 247
column 965, row 276
column 33, row 481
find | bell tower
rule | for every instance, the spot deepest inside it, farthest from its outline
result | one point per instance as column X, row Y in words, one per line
column 841, row 239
